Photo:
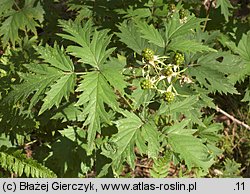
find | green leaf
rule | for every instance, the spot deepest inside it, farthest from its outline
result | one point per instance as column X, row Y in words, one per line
column 113, row 70
column 93, row 46
column 104, row 170
column 5, row 5
column 77, row 33
column 233, row 66
column 244, row 51
column 138, row 12
column 69, row 113
column 131, row 131
column 242, row 69
column 95, row 52
column 37, row 83
column 179, row 128
column 194, row 153
column 56, row 57
column 161, row 166
column 131, row 37
column 190, row 46
column 151, row 34
column 232, row 169
column 68, row 158
column 247, row 96
column 14, row 161
column 176, row 29
column 60, row 89
column 213, row 80
column 243, row 48
column 188, row 107
column 73, row 133
column 195, row 116
column 210, row 133
column 95, row 92
column 179, row 106
column 151, row 134
column 141, row 144
column 128, row 128
column 212, row 74
column 183, row 105
column 5, row 140
column 83, row 11
column 226, row 41
column 24, row 19
column 224, row 5
column 142, row 97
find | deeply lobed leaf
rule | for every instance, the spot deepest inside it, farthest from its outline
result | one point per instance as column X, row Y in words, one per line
column 95, row 93
column 93, row 45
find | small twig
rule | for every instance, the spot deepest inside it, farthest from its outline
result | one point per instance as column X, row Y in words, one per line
column 29, row 143
column 232, row 118
column 238, row 143
column 233, row 131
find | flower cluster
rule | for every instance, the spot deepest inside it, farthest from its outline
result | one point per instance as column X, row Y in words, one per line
column 161, row 72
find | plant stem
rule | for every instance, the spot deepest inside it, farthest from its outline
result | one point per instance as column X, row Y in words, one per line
column 207, row 17
column 232, row 118
column 127, row 102
column 17, row 6
column 80, row 73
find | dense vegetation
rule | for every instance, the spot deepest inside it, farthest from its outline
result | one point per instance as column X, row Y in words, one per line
column 124, row 88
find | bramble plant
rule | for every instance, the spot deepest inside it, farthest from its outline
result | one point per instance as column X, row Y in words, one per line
column 113, row 85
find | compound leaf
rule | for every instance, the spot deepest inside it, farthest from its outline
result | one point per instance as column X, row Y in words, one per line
column 213, row 80
column 135, row 13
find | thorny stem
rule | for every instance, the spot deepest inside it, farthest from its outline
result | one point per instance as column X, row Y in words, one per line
column 232, row 118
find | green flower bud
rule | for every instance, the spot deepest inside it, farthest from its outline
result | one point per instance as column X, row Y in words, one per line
column 147, row 84
column 148, row 54
column 178, row 58
column 169, row 97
